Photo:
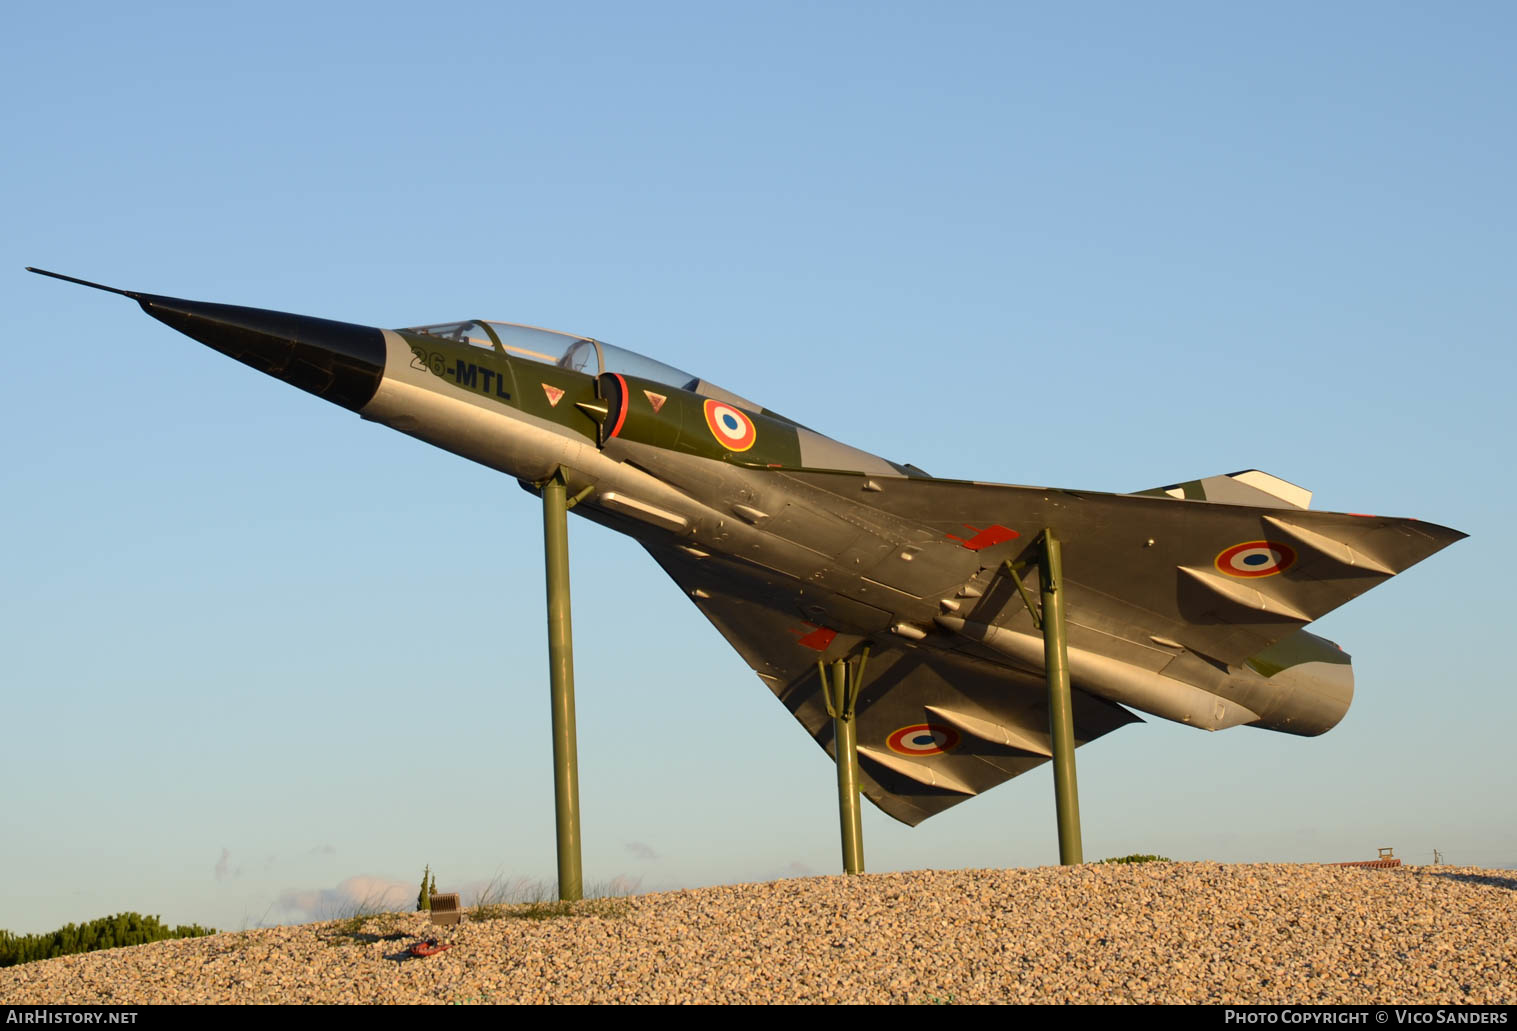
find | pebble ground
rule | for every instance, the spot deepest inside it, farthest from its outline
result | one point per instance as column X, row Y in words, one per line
column 1140, row 933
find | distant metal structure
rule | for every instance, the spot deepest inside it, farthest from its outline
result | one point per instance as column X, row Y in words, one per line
column 1386, row 861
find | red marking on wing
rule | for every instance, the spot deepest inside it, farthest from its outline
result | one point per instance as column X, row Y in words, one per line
column 986, row 538
column 819, row 639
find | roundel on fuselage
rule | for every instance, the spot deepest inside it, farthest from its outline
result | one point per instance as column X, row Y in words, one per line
column 730, row 426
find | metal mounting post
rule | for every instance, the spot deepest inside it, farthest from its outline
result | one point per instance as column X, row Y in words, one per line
column 841, row 693
column 561, row 674
column 1061, row 732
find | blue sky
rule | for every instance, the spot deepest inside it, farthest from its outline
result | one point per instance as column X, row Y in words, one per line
column 260, row 656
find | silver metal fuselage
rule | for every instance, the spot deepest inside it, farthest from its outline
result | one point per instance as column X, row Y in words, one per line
column 654, row 493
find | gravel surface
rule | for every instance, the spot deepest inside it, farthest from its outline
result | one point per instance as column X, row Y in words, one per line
column 1156, row 932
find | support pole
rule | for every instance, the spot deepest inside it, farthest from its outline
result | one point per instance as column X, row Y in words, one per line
column 1061, row 731
column 561, row 674
column 842, row 693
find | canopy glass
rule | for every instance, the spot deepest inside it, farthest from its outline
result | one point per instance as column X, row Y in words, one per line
column 567, row 351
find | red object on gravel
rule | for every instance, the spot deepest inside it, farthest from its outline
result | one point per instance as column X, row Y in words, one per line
column 428, row 948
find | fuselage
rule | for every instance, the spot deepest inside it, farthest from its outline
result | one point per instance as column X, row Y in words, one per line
column 656, row 461
column 678, row 463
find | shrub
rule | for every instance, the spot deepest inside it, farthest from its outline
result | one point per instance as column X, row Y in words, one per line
column 110, row 932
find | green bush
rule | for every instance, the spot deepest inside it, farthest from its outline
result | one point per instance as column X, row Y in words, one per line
column 1138, row 857
column 110, row 932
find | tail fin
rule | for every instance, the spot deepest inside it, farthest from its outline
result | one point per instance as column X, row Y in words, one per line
column 1248, row 487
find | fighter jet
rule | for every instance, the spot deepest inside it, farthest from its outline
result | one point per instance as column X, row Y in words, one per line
column 1186, row 602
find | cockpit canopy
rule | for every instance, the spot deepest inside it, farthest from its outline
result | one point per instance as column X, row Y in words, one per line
column 581, row 354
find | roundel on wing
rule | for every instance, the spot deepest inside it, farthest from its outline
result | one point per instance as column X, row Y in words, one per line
column 923, row 739
column 730, row 426
column 1256, row 558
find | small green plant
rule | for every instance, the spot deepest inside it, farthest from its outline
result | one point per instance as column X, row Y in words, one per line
column 497, row 898
column 349, row 918
column 1138, row 857
column 472, row 1000
column 609, row 909
column 366, row 908
column 351, row 927
column 424, row 897
column 535, row 900
column 364, row 927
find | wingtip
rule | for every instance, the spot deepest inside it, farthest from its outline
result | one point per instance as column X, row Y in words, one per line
column 1445, row 535
column 134, row 295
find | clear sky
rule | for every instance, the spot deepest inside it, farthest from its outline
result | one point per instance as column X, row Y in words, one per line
column 258, row 656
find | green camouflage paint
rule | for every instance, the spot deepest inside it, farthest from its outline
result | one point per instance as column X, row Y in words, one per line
column 1294, row 650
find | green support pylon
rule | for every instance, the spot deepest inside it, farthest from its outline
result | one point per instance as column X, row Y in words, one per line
column 561, row 673
column 841, row 692
column 1061, row 730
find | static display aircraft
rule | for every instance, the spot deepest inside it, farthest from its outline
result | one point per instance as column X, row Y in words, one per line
column 1185, row 602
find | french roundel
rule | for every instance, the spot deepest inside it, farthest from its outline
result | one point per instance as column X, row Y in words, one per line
column 1256, row 558
column 730, row 426
column 923, row 739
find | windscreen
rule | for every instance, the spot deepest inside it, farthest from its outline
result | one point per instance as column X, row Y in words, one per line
column 582, row 354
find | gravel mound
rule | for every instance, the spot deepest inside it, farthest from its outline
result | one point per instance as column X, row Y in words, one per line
column 1156, row 932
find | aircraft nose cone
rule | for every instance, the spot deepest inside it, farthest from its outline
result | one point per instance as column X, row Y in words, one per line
column 338, row 361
